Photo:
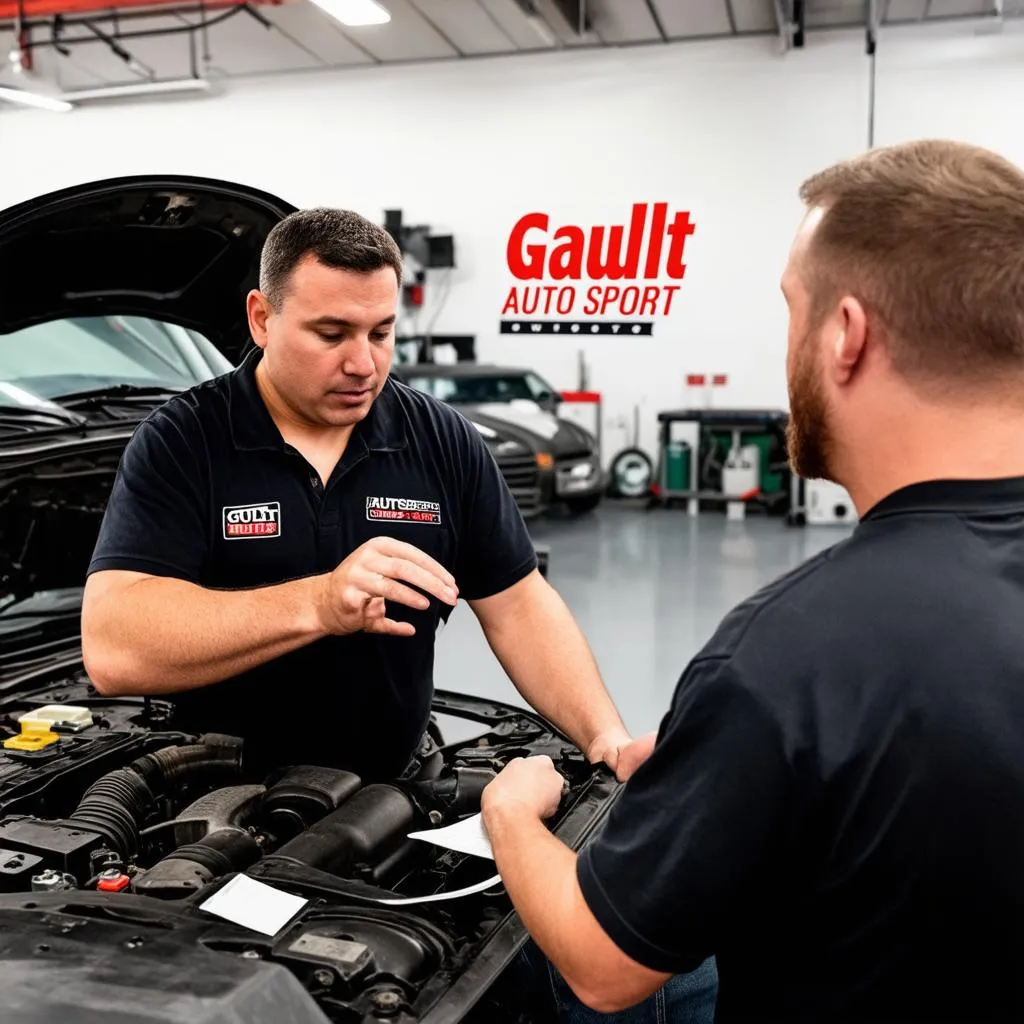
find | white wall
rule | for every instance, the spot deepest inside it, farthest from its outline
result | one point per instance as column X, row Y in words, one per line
column 726, row 130
column 952, row 82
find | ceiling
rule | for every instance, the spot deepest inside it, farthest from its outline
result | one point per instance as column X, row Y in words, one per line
column 132, row 43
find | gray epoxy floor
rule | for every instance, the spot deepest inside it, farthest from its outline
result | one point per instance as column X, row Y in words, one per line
column 648, row 589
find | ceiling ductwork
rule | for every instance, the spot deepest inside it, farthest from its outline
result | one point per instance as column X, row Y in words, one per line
column 86, row 51
column 557, row 19
column 32, row 12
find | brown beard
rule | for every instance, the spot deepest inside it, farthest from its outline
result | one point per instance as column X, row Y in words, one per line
column 807, row 433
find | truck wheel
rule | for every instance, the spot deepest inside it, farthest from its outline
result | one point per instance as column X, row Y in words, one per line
column 632, row 474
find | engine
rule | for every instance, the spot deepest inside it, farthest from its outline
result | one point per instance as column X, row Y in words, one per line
column 110, row 816
column 129, row 831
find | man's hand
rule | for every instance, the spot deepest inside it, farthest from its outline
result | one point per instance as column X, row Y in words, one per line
column 634, row 755
column 608, row 746
column 531, row 783
column 352, row 596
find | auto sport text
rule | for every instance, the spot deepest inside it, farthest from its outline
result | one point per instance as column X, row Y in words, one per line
column 408, row 510
column 645, row 252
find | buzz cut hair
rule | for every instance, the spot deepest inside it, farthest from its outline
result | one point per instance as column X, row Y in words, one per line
column 929, row 236
column 341, row 239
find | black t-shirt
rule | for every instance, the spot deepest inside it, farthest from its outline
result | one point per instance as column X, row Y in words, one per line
column 209, row 492
column 835, row 805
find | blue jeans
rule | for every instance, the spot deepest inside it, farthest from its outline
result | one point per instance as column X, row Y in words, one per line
column 685, row 999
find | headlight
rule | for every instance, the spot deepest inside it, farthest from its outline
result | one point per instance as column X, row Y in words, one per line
column 581, row 476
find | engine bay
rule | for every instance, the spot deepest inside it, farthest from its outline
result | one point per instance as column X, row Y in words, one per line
column 115, row 828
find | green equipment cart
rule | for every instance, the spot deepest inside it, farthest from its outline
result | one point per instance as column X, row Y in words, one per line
column 690, row 470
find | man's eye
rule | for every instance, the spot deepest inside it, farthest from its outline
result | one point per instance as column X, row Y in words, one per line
column 380, row 337
column 330, row 337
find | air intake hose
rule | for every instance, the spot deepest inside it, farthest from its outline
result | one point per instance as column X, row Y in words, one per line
column 191, row 867
column 164, row 770
column 116, row 803
column 455, row 794
column 366, row 829
column 113, row 806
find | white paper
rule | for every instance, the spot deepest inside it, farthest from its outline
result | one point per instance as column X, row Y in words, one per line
column 254, row 905
column 466, row 836
column 437, row 896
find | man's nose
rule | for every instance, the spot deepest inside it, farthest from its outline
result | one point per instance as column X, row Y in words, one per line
column 357, row 358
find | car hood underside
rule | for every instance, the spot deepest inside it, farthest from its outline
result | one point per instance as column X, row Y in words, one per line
column 180, row 249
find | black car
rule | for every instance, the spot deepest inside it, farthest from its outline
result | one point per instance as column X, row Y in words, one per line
column 116, row 826
column 546, row 460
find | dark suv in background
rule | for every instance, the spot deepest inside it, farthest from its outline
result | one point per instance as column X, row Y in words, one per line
column 546, row 460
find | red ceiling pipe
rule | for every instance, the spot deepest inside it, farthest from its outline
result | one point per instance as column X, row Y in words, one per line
column 33, row 10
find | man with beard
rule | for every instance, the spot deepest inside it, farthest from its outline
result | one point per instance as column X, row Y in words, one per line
column 833, row 804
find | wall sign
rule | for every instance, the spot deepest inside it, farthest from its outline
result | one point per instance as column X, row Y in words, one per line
column 607, row 279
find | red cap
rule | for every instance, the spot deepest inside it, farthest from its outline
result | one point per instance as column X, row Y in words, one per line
column 115, row 884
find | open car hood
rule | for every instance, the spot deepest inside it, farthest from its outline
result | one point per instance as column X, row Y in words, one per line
column 180, row 249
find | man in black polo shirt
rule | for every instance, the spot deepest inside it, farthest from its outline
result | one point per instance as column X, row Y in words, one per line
column 834, row 804
column 282, row 543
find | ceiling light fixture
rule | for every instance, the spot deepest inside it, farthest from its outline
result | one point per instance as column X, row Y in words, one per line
column 355, row 12
column 114, row 92
column 35, row 99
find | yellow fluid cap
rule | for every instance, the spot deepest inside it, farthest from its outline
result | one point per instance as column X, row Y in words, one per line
column 35, row 735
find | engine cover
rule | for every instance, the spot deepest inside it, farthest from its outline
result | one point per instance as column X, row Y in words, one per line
column 79, row 970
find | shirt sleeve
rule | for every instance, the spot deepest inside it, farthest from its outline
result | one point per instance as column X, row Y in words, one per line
column 495, row 547
column 698, row 831
column 156, row 517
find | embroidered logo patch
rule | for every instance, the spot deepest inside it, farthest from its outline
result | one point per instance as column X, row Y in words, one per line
column 406, row 510
column 251, row 521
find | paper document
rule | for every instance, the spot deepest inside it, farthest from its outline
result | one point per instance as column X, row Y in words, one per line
column 436, row 897
column 254, row 905
column 466, row 836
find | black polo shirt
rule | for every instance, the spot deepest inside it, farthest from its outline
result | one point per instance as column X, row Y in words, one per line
column 835, row 805
column 208, row 491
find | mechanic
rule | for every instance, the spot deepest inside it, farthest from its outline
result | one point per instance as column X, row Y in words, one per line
column 282, row 543
column 833, row 803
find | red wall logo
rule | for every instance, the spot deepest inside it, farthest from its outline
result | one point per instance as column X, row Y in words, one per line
column 639, row 257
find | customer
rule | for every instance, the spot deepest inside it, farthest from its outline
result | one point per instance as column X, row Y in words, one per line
column 835, row 804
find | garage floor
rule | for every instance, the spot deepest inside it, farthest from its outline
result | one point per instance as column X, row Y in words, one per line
column 648, row 589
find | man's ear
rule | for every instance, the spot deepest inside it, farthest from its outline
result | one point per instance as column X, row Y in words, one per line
column 850, row 343
column 258, row 310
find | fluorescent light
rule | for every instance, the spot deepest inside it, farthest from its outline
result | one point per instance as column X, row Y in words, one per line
column 34, row 99
column 355, row 12
column 113, row 92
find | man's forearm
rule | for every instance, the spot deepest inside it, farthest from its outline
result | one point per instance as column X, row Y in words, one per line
column 160, row 635
column 539, row 874
column 548, row 659
column 538, row 871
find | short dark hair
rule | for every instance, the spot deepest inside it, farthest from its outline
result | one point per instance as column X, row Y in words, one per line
column 929, row 236
column 337, row 238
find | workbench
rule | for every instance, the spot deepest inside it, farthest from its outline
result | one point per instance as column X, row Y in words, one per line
column 700, row 423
